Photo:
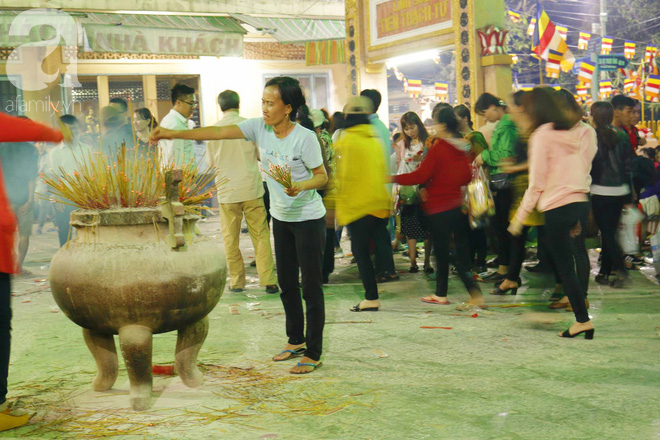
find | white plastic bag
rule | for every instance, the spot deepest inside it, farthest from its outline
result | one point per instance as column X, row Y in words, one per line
column 630, row 218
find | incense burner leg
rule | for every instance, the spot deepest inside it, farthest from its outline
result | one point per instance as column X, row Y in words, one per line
column 104, row 351
column 136, row 347
column 188, row 344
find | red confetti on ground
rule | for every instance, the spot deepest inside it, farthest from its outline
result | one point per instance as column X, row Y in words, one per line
column 163, row 370
column 444, row 328
column 27, row 301
column 476, row 315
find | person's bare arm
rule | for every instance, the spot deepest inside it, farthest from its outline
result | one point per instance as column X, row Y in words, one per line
column 210, row 133
column 319, row 178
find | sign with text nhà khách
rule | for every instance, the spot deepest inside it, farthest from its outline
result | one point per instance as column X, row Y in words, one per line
column 394, row 20
column 124, row 39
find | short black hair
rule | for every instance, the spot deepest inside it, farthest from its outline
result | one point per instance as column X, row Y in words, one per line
column 375, row 97
column 290, row 92
column 69, row 120
column 648, row 152
column 122, row 103
column 180, row 90
column 486, row 100
column 228, row 100
column 621, row 101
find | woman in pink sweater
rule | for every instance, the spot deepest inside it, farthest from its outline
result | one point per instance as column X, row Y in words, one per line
column 561, row 150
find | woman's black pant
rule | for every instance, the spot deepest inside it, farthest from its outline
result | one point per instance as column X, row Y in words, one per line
column 570, row 254
column 299, row 249
column 503, row 200
column 478, row 246
column 363, row 232
column 5, row 332
column 442, row 225
column 517, row 255
column 607, row 213
column 329, row 254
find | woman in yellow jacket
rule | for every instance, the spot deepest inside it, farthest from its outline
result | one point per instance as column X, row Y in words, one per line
column 363, row 203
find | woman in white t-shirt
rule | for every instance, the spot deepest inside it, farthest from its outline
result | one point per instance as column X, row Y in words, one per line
column 298, row 212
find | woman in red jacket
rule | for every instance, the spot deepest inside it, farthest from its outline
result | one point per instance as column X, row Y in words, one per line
column 12, row 130
column 445, row 171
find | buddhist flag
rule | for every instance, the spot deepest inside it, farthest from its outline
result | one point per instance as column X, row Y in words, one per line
column 442, row 92
column 552, row 65
column 583, row 94
column 629, row 49
column 628, row 85
column 606, row 45
column 546, row 38
column 583, row 42
column 605, row 88
column 531, row 27
column 514, row 58
column 414, row 88
column 586, row 73
column 653, row 88
column 563, row 31
column 650, row 50
column 513, row 15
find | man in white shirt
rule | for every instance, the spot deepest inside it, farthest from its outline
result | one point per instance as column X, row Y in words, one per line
column 178, row 151
column 66, row 158
column 238, row 161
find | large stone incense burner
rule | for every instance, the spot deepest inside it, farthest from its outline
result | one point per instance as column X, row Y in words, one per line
column 136, row 272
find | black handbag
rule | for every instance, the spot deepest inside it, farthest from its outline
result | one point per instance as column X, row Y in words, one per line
column 500, row 181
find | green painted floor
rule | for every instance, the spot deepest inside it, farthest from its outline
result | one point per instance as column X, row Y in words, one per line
column 501, row 375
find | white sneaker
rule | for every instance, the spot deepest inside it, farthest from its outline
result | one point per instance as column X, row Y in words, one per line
column 339, row 253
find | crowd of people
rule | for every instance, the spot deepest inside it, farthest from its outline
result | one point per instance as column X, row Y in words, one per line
column 549, row 164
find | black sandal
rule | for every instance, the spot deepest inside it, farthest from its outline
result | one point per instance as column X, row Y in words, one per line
column 384, row 278
column 428, row 269
column 414, row 269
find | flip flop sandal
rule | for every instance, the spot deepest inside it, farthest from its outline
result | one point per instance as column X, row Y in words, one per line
column 430, row 300
column 294, row 354
column 301, row 364
column 365, row 309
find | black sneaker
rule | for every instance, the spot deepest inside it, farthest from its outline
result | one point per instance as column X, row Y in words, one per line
column 621, row 283
column 272, row 289
column 603, row 279
column 539, row 268
column 493, row 278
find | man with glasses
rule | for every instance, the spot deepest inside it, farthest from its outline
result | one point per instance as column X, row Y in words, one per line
column 178, row 151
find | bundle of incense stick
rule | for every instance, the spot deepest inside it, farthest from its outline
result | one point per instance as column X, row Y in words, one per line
column 129, row 180
column 281, row 174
